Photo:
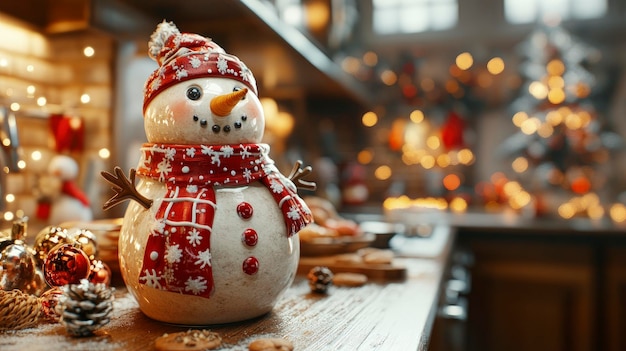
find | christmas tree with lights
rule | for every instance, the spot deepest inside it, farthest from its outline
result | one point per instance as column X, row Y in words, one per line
column 560, row 154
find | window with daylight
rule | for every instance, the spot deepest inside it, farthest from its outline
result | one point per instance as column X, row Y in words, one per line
column 413, row 16
column 529, row 11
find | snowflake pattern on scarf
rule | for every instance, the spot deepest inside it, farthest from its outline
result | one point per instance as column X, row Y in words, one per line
column 177, row 256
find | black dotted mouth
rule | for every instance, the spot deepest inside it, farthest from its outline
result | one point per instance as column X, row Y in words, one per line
column 216, row 128
column 203, row 122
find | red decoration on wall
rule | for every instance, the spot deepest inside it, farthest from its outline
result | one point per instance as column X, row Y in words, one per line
column 68, row 132
column 452, row 131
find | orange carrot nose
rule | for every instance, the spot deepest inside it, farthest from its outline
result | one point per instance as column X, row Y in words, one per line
column 221, row 105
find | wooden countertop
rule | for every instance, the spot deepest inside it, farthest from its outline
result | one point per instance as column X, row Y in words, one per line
column 381, row 315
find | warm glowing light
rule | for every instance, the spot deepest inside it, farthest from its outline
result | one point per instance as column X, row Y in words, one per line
column 365, row 157
column 416, row 116
column 451, row 182
column 317, row 15
column 36, row 155
column 6, row 142
column 538, row 90
column 382, row 172
column 458, row 205
column 369, row 119
column 573, row 121
column 581, row 185
column 30, row 90
column 519, row 200
column 428, row 161
column 351, row 65
column 8, row 216
column 554, row 118
column 556, row 82
column 464, row 61
column 555, row 68
column 433, row 142
column 520, row 164
column 85, row 98
column 567, row 210
column 530, row 125
column 495, row 65
column 4, row 62
column 556, row 96
column 9, row 198
column 466, row 156
column 427, row 203
column 388, row 77
column 519, row 118
column 617, row 212
column 41, row 101
column 370, row 58
column 545, row 130
column 270, row 107
column 104, row 153
column 30, row 68
column 582, row 90
column 512, row 188
column 21, row 164
column 88, row 51
column 443, row 160
column 595, row 212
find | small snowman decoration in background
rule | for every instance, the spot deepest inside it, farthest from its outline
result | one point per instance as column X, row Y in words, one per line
column 64, row 200
column 211, row 235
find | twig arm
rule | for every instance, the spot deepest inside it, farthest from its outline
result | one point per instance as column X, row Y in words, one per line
column 124, row 188
column 297, row 174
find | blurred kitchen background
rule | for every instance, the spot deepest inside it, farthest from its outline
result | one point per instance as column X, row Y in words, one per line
column 499, row 106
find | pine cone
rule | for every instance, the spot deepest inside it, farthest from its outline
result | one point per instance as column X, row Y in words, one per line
column 85, row 307
column 320, row 278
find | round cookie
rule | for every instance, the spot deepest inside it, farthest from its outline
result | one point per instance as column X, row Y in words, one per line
column 349, row 279
column 190, row 340
column 270, row 344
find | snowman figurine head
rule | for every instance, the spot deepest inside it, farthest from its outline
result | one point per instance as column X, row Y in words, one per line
column 199, row 94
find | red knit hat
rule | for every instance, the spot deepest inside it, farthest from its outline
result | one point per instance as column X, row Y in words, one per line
column 184, row 56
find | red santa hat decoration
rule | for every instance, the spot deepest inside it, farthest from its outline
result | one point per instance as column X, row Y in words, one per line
column 184, row 56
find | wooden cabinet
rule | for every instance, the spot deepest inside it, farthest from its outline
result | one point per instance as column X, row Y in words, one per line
column 546, row 291
column 614, row 303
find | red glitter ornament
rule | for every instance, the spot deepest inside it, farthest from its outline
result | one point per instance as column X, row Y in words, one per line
column 66, row 264
column 100, row 273
column 49, row 301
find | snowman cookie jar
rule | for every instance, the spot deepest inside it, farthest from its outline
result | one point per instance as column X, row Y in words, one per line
column 211, row 235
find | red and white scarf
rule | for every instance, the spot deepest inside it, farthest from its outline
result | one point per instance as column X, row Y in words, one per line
column 177, row 256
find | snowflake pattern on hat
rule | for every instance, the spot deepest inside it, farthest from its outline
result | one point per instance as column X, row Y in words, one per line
column 184, row 56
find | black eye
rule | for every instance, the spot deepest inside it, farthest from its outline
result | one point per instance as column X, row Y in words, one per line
column 238, row 89
column 194, row 93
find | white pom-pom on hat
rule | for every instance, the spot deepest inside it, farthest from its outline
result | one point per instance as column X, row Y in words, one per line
column 162, row 33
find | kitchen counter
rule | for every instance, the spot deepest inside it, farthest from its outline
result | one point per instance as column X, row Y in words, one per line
column 381, row 315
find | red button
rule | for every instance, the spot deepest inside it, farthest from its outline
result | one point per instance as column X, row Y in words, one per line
column 250, row 237
column 250, row 265
column 244, row 210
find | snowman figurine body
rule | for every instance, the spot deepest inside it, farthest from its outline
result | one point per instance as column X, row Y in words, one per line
column 212, row 234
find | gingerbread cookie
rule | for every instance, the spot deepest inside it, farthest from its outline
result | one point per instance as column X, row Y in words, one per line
column 190, row 340
column 270, row 344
